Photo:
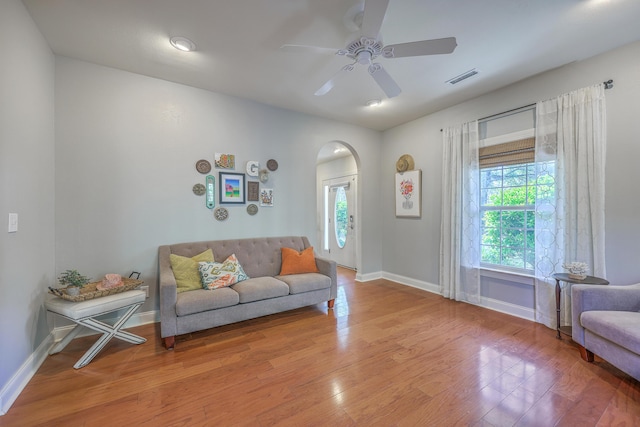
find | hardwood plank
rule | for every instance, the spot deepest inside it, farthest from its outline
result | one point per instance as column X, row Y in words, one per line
column 551, row 408
column 386, row 354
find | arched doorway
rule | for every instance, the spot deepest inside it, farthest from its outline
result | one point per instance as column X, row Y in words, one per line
column 337, row 179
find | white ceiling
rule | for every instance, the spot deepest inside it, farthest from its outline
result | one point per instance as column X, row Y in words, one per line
column 238, row 46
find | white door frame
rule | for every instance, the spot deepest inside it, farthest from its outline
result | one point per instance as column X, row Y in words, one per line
column 337, row 170
column 348, row 255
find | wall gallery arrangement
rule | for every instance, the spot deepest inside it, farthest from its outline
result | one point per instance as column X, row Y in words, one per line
column 234, row 188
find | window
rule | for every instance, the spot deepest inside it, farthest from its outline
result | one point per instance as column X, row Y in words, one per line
column 341, row 217
column 509, row 188
column 325, row 239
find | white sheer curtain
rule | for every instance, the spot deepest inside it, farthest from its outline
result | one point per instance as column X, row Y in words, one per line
column 570, row 153
column 460, row 227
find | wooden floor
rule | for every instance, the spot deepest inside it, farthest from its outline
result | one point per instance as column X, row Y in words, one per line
column 386, row 355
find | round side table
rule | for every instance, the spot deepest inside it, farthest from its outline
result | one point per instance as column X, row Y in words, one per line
column 564, row 277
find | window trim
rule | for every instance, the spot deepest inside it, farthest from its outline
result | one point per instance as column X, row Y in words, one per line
column 500, row 208
column 508, row 137
column 527, row 278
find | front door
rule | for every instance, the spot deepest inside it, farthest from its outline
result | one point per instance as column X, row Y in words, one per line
column 340, row 220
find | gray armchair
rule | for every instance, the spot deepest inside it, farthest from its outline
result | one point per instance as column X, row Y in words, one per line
column 606, row 322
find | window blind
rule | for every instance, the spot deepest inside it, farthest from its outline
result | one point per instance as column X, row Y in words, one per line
column 508, row 153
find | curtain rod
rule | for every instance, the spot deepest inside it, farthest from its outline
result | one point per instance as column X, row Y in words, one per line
column 607, row 85
column 506, row 113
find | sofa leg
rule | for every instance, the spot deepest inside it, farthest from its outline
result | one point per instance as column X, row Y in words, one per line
column 586, row 354
column 170, row 342
column 331, row 303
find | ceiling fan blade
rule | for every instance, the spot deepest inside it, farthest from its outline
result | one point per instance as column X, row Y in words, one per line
column 424, row 47
column 325, row 88
column 374, row 11
column 299, row 48
column 384, row 80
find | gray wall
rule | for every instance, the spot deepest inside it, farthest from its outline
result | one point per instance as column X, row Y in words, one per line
column 126, row 146
column 26, row 186
column 422, row 139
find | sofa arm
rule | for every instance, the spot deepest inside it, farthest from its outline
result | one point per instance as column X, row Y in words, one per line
column 329, row 268
column 600, row 297
column 168, row 290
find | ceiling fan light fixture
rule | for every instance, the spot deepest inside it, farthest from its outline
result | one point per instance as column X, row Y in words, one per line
column 183, row 44
column 373, row 103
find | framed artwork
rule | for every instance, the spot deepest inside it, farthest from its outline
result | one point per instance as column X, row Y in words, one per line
column 408, row 192
column 253, row 191
column 225, row 161
column 232, row 187
column 266, row 197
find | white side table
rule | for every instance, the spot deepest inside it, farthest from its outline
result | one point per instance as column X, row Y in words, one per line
column 83, row 313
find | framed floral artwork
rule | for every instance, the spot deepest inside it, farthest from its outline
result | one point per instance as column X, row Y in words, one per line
column 232, row 188
column 408, row 194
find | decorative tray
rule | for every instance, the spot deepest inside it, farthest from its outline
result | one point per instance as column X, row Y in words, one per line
column 91, row 291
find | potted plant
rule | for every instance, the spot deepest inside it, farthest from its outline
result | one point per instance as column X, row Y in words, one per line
column 72, row 280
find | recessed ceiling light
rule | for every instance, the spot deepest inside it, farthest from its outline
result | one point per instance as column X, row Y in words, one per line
column 183, row 43
column 373, row 103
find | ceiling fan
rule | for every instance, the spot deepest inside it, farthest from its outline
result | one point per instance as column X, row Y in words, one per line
column 365, row 49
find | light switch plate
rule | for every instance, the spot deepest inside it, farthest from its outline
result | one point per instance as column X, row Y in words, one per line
column 13, row 222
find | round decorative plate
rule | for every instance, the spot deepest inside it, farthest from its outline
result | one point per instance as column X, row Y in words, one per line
column 272, row 165
column 199, row 189
column 221, row 214
column 203, row 166
column 252, row 209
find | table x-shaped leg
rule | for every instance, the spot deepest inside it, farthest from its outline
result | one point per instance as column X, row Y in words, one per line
column 107, row 330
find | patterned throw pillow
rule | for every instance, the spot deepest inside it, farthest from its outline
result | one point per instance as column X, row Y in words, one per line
column 218, row 275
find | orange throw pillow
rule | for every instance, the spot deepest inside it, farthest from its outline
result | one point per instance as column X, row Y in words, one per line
column 294, row 262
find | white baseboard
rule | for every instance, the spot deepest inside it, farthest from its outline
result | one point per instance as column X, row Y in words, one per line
column 403, row 280
column 414, row 283
column 369, row 276
column 21, row 378
column 490, row 303
column 508, row 308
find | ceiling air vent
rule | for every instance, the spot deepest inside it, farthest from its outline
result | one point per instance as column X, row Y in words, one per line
column 463, row 76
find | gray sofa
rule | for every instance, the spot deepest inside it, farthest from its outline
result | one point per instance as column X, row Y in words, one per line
column 606, row 322
column 264, row 293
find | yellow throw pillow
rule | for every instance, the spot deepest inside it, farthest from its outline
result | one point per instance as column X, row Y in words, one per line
column 185, row 270
column 294, row 262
